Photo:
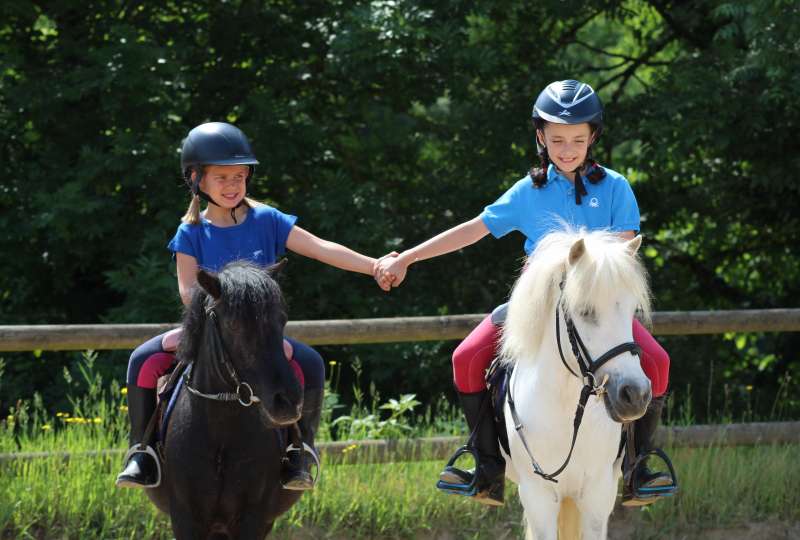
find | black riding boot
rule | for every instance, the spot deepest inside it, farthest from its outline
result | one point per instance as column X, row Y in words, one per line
column 297, row 468
column 142, row 469
column 491, row 470
column 644, row 430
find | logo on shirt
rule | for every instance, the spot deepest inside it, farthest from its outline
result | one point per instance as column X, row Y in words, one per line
column 594, row 203
column 257, row 253
column 565, row 112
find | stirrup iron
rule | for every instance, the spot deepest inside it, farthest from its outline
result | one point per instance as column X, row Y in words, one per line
column 643, row 493
column 466, row 489
column 306, row 449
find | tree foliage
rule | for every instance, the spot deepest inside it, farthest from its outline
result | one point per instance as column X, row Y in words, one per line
column 382, row 123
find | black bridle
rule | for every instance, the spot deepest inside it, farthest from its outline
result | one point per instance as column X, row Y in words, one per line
column 587, row 367
column 243, row 393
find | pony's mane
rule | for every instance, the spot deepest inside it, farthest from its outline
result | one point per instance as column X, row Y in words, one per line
column 606, row 267
column 250, row 296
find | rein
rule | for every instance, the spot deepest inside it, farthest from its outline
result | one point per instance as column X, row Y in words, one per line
column 587, row 367
column 243, row 392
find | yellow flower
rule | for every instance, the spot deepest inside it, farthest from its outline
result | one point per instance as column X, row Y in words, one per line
column 46, row 427
column 62, row 414
column 123, row 408
column 332, row 362
column 98, row 420
column 124, row 391
column 749, row 387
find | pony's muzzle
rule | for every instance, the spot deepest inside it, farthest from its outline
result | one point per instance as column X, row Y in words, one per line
column 283, row 411
column 628, row 399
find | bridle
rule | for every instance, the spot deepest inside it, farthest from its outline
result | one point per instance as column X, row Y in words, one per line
column 587, row 367
column 243, row 392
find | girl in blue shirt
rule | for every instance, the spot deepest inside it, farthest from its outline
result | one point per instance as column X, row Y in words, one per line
column 568, row 187
column 217, row 163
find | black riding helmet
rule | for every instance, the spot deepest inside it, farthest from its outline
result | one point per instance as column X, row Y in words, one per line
column 214, row 143
column 568, row 102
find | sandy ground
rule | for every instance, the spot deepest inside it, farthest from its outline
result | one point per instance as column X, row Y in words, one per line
column 623, row 526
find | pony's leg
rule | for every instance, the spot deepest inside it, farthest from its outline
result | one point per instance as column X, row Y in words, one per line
column 595, row 506
column 183, row 526
column 541, row 510
column 252, row 526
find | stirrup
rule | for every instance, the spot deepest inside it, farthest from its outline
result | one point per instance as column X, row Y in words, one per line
column 139, row 448
column 467, row 489
column 307, row 449
column 638, row 495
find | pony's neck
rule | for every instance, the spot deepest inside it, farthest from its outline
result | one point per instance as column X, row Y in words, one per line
column 552, row 377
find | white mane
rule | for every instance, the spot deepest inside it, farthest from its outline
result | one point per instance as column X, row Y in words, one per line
column 606, row 268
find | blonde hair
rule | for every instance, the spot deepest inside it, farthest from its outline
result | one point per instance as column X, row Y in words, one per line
column 192, row 215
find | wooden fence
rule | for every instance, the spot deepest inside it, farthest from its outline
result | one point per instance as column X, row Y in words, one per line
column 386, row 330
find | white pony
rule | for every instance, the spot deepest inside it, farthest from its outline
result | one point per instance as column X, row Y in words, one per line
column 576, row 298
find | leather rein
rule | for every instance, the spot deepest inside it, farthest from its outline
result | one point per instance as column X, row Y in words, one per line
column 587, row 367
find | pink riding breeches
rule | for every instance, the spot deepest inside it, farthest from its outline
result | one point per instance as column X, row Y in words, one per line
column 472, row 357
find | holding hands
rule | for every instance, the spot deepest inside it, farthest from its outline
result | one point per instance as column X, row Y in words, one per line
column 390, row 271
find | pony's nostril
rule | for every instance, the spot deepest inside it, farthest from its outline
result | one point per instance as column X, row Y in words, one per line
column 628, row 395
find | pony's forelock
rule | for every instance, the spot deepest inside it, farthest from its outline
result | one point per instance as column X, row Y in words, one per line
column 606, row 267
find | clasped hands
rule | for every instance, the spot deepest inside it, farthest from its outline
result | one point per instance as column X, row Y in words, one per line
column 389, row 271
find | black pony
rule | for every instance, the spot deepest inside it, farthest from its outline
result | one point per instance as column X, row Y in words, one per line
column 226, row 437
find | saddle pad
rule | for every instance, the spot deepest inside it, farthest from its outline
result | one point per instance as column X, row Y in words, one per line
column 172, row 395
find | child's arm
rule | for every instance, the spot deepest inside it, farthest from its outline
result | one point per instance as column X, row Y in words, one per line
column 304, row 243
column 187, row 276
column 392, row 271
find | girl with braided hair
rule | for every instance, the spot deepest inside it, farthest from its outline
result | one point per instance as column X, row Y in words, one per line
column 569, row 187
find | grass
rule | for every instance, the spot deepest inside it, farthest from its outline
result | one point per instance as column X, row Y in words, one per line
column 53, row 498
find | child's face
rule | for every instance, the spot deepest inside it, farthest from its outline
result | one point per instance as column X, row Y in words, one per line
column 567, row 144
column 225, row 184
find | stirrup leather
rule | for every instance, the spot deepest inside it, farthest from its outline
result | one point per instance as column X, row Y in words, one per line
column 306, row 449
column 139, row 448
column 469, row 489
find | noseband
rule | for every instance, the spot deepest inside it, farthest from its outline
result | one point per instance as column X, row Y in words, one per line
column 243, row 392
column 587, row 367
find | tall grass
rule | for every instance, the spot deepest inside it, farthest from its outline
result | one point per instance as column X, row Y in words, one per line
column 55, row 498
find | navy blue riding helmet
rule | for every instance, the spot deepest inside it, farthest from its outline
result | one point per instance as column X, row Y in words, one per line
column 214, row 143
column 569, row 102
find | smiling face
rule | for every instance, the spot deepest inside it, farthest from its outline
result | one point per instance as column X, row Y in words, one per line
column 567, row 144
column 225, row 184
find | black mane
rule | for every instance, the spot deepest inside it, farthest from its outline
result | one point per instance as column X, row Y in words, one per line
column 250, row 298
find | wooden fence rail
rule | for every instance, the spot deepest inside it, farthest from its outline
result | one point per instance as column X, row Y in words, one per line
column 386, row 330
column 440, row 448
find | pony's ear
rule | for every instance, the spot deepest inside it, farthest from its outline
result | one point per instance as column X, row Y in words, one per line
column 276, row 270
column 634, row 244
column 210, row 283
column 576, row 251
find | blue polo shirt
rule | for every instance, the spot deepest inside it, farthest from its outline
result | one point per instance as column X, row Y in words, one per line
column 609, row 204
column 260, row 238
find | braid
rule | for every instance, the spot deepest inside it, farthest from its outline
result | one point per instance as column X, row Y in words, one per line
column 539, row 174
column 595, row 172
